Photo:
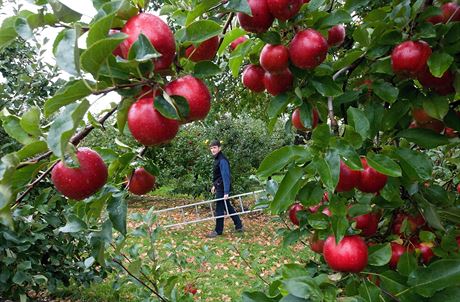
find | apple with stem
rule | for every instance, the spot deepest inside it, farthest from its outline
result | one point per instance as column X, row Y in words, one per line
column 284, row 9
column 349, row 255
column 148, row 126
column 308, row 49
column 83, row 181
column 410, row 58
column 261, row 19
column 140, row 182
column 274, row 58
column 205, row 50
column 195, row 92
column 158, row 33
column 336, row 35
column 253, row 78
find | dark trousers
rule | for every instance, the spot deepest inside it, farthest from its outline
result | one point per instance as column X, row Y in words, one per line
column 220, row 210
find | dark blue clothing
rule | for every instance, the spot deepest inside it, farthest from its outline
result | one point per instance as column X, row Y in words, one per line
column 221, row 174
column 222, row 184
column 220, row 210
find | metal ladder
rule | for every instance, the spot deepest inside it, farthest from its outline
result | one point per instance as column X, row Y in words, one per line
column 183, row 209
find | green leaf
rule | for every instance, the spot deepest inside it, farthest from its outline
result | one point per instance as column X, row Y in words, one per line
column 415, row 164
column 339, row 223
column 118, row 209
column 8, row 165
column 11, row 125
column 439, row 62
column 449, row 294
column 407, row 263
column 204, row 69
column 439, row 275
column 336, row 17
column 95, row 56
column 64, row 126
column 122, row 113
column 358, row 120
column 200, row 9
column 66, row 52
column 142, row 50
column 229, row 38
column 383, row 164
column 256, row 297
column 395, row 283
column 325, row 172
column 32, row 149
column 278, row 159
column 23, row 28
column 396, row 112
column 313, row 5
column 379, row 254
column 100, row 29
column 7, row 35
column 238, row 6
column 73, row 225
column 287, row 191
column 321, row 135
column 385, row 91
column 353, row 137
column 277, row 105
column 352, row 5
column 326, row 86
column 333, row 161
column 348, row 59
column 369, row 291
column 30, row 121
column 362, row 36
column 424, row 137
column 303, row 287
column 270, row 37
column 436, row 107
column 63, row 12
column 430, row 213
column 201, row 30
column 72, row 91
column 349, row 155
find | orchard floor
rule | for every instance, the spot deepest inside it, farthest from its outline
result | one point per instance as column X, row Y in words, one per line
column 220, row 268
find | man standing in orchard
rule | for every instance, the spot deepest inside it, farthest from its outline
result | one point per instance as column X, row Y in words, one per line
column 221, row 188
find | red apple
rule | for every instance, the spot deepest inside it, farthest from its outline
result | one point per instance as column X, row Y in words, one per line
column 348, row 178
column 409, row 58
column 157, row 31
column 284, row 9
column 82, row 182
column 327, row 212
column 237, row 42
column 397, row 251
column 308, row 49
column 435, row 19
column 316, row 244
column 370, row 180
column 253, row 78
column 458, row 188
column 274, row 58
column 297, row 122
column 148, row 126
column 449, row 132
column 141, row 182
column 204, row 52
column 350, row 255
column 195, row 92
column 293, row 212
column 413, row 223
column 336, row 35
column 367, row 223
column 261, row 19
column 450, row 11
column 190, row 289
column 277, row 83
column 425, row 251
column 442, row 86
column 420, row 116
column 435, row 125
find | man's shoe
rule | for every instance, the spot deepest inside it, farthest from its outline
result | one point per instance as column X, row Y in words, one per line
column 213, row 234
column 240, row 230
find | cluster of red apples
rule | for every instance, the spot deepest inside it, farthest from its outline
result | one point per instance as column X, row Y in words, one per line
column 351, row 253
column 147, row 125
column 307, row 50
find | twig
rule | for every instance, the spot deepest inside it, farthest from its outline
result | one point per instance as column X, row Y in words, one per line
column 139, row 280
column 289, row 228
column 249, row 265
column 227, row 24
column 129, row 260
column 33, row 184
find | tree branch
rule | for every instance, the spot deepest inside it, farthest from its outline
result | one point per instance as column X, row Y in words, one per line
column 140, row 281
column 227, row 24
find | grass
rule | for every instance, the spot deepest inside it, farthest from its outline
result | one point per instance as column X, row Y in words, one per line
column 220, row 268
